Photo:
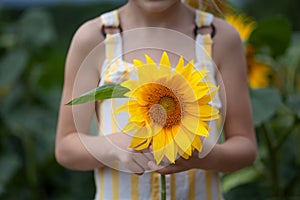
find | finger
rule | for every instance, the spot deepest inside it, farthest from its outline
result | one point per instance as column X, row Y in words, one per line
column 142, row 160
column 170, row 169
column 149, row 155
column 153, row 166
column 134, row 167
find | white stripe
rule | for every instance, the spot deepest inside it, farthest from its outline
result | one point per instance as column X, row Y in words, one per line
column 109, row 19
column 200, row 188
column 208, row 18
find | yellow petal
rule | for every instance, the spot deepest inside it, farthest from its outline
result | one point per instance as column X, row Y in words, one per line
column 135, row 142
column 138, row 63
column 186, row 71
column 189, row 151
column 170, row 146
column 158, row 144
column 197, row 76
column 208, row 113
column 122, row 108
column 130, row 126
column 149, row 60
column 164, row 60
column 145, row 145
column 143, row 133
column 208, row 97
column 144, row 74
column 197, row 143
column 180, row 64
column 181, row 138
column 130, row 84
column 195, row 125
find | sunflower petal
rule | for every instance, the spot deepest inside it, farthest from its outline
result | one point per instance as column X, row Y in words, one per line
column 180, row 64
column 158, row 144
column 170, row 146
column 135, row 142
column 164, row 60
column 181, row 138
column 149, row 60
column 138, row 63
column 197, row 144
column 145, row 145
column 130, row 126
column 130, row 84
column 195, row 125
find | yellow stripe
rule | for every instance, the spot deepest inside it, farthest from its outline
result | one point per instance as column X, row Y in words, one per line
column 110, row 42
column 134, row 187
column 191, row 175
column 115, row 184
column 208, row 183
column 116, row 18
column 154, row 186
column 115, row 173
column 101, row 118
column 202, row 17
column 207, row 46
column 101, row 170
column 173, row 186
column 101, row 174
column 109, row 48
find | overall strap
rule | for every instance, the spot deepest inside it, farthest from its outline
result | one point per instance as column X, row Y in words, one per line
column 203, row 48
column 202, row 20
column 111, row 30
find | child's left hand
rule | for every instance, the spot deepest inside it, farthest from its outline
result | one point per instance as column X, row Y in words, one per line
column 182, row 164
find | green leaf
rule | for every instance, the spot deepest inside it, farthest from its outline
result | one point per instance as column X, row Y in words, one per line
column 12, row 65
column 247, row 175
column 36, row 29
column 293, row 102
column 100, row 93
column 256, row 190
column 273, row 33
column 265, row 102
column 9, row 164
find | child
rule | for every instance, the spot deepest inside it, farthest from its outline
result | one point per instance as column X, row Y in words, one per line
column 193, row 178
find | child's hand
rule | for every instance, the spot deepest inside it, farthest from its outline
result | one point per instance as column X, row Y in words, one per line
column 135, row 161
column 182, row 164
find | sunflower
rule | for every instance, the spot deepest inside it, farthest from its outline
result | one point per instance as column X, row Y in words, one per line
column 259, row 73
column 242, row 23
column 169, row 108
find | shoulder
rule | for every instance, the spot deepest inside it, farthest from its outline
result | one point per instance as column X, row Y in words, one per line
column 226, row 32
column 226, row 38
column 88, row 35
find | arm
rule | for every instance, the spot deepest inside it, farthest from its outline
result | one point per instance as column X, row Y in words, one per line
column 67, row 138
column 239, row 148
column 75, row 148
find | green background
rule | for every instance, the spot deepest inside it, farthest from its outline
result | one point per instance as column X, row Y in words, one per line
column 33, row 46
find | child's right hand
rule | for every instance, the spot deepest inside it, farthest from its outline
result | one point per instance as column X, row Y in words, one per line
column 135, row 161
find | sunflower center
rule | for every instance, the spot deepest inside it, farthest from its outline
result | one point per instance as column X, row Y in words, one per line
column 166, row 110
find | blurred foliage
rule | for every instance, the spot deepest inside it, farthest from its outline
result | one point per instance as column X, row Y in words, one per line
column 270, row 8
column 276, row 108
column 33, row 47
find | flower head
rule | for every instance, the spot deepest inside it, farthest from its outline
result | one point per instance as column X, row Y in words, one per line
column 258, row 72
column 242, row 23
column 169, row 108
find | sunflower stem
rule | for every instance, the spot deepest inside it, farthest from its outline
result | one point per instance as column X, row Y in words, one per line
column 163, row 186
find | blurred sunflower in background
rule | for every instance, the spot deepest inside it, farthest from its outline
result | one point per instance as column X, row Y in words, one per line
column 258, row 72
column 242, row 23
